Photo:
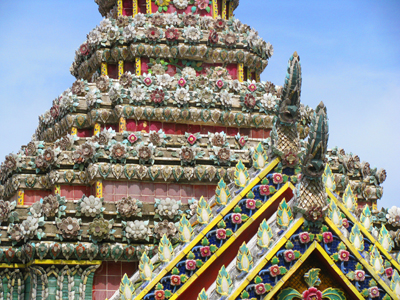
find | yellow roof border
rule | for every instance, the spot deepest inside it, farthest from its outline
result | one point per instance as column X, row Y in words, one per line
column 50, row 262
column 317, row 247
column 281, row 241
column 364, row 230
column 205, row 230
column 355, row 252
column 234, row 236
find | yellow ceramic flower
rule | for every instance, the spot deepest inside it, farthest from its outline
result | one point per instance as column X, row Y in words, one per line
column 163, row 2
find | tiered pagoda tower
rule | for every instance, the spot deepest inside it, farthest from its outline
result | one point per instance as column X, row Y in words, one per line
column 169, row 170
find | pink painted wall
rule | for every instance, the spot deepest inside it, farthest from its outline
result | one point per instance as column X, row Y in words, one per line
column 148, row 191
column 107, row 278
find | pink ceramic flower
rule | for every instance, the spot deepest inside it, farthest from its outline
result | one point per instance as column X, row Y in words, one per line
column 389, row 272
column 205, row 251
column 277, row 178
column 236, row 218
column 220, row 83
column 191, row 139
column 373, row 292
column 344, row 255
column 312, row 294
column 345, row 223
column 304, row 237
column 147, row 81
column 175, row 280
column 359, row 275
column 159, row 295
column 190, row 264
column 328, row 237
column 264, row 190
column 250, row 204
column 221, row 234
column 84, row 49
column 274, row 270
column 132, row 138
column 260, row 289
column 182, row 82
column 202, row 4
column 289, row 255
column 242, row 141
column 252, row 87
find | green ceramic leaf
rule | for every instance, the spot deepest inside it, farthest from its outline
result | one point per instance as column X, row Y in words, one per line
column 289, row 294
column 311, row 277
column 333, row 294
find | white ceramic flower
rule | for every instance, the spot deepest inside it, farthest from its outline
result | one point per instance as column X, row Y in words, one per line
column 235, row 85
column 138, row 94
column 269, row 101
column 206, row 22
column 226, row 99
column 168, row 207
column 193, row 207
column 129, row 32
column 115, row 92
column 47, row 117
column 137, row 230
column 67, row 100
column 36, row 210
column 252, row 37
column 189, row 72
column 158, row 69
column 113, row 33
column 139, row 19
column 29, row 227
column 393, row 216
column 94, row 37
column 93, row 97
column 192, row 34
column 91, row 206
column 269, row 50
column 105, row 24
column 172, row 19
column 182, row 96
column 206, row 96
column 237, row 25
column 181, row 4
column 164, row 80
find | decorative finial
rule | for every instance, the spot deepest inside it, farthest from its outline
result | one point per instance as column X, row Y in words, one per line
column 314, row 160
column 290, row 104
column 310, row 193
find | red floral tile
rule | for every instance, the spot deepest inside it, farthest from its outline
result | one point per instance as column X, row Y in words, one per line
column 232, row 131
column 134, row 189
column 174, row 190
column 161, row 189
column 130, row 125
column 156, row 126
column 187, row 190
column 147, row 188
column 200, row 190
column 114, row 268
column 99, row 295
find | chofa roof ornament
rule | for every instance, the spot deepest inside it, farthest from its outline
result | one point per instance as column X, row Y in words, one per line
column 284, row 135
column 310, row 193
column 290, row 104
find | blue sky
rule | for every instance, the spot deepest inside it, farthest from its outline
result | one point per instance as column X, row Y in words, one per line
column 349, row 52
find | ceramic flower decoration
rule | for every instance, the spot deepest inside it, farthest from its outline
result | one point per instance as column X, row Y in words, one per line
column 90, row 206
column 312, row 293
column 136, row 230
column 7, row 213
column 69, row 228
column 127, row 207
column 167, row 208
